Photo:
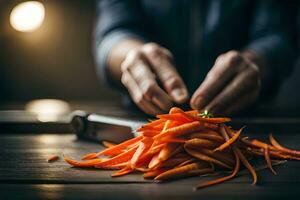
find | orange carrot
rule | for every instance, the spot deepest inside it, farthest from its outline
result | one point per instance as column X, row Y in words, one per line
column 155, row 161
column 193, row 117
column 225, row 157
column 123, row 157
column 154, row 173
column 182, row 144
column 215, row 138
column 229, row 142
column 184, row 171
column 223, row 179
column 173, row 162
column 268, row 160
column 108, row 144
column 180, row 130
column 203, row 157
column 87, row 163
column 52, row 158
column 168, row 150
column 113, row 150
column 181, row 117
column 212, row 120
column 201, row 143
column 143, row 147
column 256, row 143
column 122, row 172
column 152, row 123
column 150, row 133
column 281, row 148
column 237, row 151
column 191, row 160
column 173, row 140
column 247, row 164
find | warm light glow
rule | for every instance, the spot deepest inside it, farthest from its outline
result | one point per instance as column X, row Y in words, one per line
column 27, row 16
column 48, row 110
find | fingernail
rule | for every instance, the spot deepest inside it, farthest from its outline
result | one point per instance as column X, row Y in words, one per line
column 199, row 102
column 179, row 95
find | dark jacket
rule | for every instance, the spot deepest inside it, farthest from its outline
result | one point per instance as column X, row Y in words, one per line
column 198, row 31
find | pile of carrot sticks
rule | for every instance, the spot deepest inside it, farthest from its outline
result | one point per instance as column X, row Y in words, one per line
column 184, row 144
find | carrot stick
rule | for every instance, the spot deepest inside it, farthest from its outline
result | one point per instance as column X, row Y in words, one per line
column 268, row 160
column 274, row 154
column 169, row 150
column 180, row 117
column 247, row 164
column 113, row 150
column 215, row 138
column 108, row 144
column 193, row 117
column 206, row 132
column 229, row 142
column 155, row 161
column 173, row 140
column 192, row 112
column 122, row 172
column 52, row 158
column 201, row 143
column 143, row 147
column 223, row 179
column 154, row 173
column 184, row 171
column 202, row 156
column 212, row 120
column 257, row 143
column 150, row 133
column 89, row 156
column 221, row 156
column 238, row 152
column 281, row 148
column 175, row 110
column 152, row 123
column 191, row 160
column 123, row 157
column 180, row 130
column 87, row 163
column 173, row 162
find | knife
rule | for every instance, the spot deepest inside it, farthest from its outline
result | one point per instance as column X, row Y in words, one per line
column 95, row 127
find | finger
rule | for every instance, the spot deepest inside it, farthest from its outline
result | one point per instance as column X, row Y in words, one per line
column 149, row 87
column 160, row 61
column 244, row 83
column 137, row 95
column 222, row 72
column 145, row 79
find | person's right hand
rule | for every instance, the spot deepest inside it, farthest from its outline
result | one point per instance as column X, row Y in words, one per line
column 142, row 69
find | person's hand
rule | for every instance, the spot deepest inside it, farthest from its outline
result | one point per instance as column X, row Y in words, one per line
column 231, row 85
column 142, row 69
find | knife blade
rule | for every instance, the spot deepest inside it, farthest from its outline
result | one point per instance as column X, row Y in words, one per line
column 95, row 127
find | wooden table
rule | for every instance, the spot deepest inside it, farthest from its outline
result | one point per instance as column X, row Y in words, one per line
column 25, row 173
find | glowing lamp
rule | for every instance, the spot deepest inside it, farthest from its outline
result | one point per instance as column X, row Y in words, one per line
column 27, row 16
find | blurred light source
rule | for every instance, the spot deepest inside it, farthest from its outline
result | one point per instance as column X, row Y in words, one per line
column 48, row 110
column 27, row 16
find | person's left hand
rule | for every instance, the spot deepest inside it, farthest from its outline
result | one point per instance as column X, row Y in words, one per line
column 231, row 85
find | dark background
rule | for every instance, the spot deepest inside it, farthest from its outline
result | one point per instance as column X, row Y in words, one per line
column 56, row 61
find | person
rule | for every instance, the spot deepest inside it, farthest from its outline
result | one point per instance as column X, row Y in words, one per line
column 221, row 56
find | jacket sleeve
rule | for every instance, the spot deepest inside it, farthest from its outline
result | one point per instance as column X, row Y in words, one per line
column 272, row 36
column 116, row 20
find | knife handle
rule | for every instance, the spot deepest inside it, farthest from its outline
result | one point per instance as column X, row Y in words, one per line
column 104, row 128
